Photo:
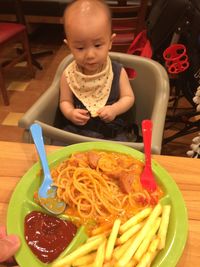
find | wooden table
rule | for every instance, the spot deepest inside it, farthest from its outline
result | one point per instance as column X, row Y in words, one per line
column 17, row 158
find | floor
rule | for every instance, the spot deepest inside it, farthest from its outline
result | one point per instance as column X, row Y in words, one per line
column 24, row 91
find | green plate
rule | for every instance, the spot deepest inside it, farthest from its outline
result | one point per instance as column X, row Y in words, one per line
column 22, row 203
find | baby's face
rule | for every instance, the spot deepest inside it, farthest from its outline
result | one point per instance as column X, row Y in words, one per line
column 89, row 39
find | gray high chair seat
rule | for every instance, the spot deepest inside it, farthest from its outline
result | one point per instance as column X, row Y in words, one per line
column 151, row 89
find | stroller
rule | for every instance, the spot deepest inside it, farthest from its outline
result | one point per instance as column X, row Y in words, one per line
column 172, row 22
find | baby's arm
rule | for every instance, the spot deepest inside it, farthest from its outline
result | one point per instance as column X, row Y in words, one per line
column 125, row 102
column 77, row 116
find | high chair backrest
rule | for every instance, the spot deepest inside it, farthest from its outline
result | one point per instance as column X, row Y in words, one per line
column 151, row 89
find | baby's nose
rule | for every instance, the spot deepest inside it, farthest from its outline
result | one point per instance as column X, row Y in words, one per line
column 90, row 53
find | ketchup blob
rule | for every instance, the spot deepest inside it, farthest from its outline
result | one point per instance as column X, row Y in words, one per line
column 47, row 236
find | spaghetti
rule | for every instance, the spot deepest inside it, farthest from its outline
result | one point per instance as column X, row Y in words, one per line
column 91, row 183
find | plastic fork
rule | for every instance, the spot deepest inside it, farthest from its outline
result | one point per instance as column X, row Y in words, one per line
column 147, row 178
column 47, row 192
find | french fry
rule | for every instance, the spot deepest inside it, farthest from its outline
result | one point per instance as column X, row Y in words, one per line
column 162, row 232
column 148, row 258
column 100, row 255
column 87, row 265
column 135, row 219
column 131, row 263
column 80, row 251
column 152, row 255
column 105, row 234
column 154, row 245
column 112, row 239
column 145, row 243
column 102, row 229
column 109, row 264
column 140, row 236
column 129, row 233
column 87, row 259
column 120, row 250
column 153, row 249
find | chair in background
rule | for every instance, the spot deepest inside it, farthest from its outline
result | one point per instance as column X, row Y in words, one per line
column 151, row 89
column 11, row 33
column 128, row 19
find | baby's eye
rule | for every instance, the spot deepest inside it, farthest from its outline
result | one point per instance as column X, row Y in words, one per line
column 97, row 45
column 79, row 48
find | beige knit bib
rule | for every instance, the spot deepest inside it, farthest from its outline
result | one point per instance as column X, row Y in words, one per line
column 92, row 90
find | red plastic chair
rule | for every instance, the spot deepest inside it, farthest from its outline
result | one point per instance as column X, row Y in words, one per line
column 13, row 33
column 128, row 19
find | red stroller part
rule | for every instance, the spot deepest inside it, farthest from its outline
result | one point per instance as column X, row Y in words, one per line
column 176, row 58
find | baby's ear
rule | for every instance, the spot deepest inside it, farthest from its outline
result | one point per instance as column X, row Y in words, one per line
column 111, row 39
column 65, row 41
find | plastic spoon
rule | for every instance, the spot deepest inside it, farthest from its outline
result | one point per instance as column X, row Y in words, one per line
column 47, row 192
column 147, row 178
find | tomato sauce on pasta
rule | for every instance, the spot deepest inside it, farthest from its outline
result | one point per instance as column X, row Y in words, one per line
column 100, row 186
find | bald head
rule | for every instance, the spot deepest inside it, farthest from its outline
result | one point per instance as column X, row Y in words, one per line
column 86, row 10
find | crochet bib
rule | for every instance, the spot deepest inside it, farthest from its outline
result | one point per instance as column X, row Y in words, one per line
column 92, row 90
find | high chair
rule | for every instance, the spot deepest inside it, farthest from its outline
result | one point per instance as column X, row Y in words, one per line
column 151, row 89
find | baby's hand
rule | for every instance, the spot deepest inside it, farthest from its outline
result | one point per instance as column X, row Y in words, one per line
column 80, row 116
column 107, row 113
